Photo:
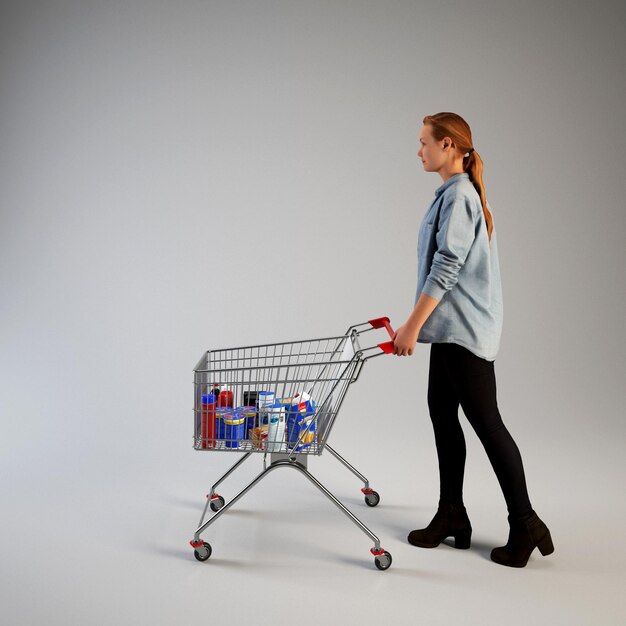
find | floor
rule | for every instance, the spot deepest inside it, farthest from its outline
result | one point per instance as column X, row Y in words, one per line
column 110, row 546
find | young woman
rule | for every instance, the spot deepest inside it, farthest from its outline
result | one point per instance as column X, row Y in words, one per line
column 459, row 311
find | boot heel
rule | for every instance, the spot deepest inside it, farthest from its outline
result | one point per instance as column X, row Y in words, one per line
column 545, row 545
column 463, row 540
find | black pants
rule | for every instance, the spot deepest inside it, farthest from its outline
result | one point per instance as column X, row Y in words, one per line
column 457, row 376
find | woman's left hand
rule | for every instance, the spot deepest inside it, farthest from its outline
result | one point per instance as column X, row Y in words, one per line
column 404, row 340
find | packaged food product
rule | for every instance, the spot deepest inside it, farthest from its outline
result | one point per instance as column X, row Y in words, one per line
column 249, row 412
column 234, row 430
column 258, row 436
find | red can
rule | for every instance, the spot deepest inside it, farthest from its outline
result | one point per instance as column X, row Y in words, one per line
column 208, row 421
column 226, row 398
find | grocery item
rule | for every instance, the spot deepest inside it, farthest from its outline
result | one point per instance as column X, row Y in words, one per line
column 226, row 398
column 207, row 429
column 234, row 429
column 265, row 401
column 249, row 412
column 276, row 430
column 300, row 419
column 221, row 414
column 258, row 436
column 250, row 398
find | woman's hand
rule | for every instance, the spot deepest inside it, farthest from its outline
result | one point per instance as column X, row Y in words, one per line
column 405, row 337
column 404, row 340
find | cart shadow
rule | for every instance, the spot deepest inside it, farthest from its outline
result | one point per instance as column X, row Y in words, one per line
column 219, row 562
column 358, row 503
column 187, row 555
column 399, row 530
column 174, row 553
column 184, row 503
column 421, row 574
column 366, row 564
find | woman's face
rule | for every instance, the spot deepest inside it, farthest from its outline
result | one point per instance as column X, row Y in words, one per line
column 432, row 153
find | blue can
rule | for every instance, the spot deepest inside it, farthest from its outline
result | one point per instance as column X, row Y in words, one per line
column 234, row 426
column 221, row 414
column 249, row 412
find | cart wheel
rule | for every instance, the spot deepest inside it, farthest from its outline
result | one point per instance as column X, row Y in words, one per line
column 372, row 499
column 216, row 503
column 383, row 561
column 203, row 552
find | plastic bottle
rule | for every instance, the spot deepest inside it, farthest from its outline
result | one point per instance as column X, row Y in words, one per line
column 207, row 431
column 276, row 430
column 226, row 398
column 265, row 402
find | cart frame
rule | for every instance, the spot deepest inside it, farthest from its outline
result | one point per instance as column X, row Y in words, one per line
column 318, row 363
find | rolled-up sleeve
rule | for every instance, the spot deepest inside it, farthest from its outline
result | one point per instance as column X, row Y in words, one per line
column 455, row 235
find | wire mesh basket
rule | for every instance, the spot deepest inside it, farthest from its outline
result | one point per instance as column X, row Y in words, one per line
column 280, row 397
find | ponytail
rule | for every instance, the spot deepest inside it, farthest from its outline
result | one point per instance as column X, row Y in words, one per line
column 473, row 165
column 454, row 126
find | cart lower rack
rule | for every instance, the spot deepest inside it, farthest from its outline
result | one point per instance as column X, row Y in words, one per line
column 280, row 400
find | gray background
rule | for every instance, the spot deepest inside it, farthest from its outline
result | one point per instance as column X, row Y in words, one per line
column 177, row 176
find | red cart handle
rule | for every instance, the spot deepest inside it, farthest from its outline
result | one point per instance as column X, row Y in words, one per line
column 383, row 322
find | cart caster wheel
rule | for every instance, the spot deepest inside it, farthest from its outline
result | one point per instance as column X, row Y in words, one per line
column 203, row 552
column 372, row 499
column 383, row 561
column 216, row 503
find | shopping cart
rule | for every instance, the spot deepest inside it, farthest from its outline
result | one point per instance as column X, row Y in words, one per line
column 280, row 400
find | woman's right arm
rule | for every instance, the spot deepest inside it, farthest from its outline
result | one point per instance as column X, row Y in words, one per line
column 405, row 337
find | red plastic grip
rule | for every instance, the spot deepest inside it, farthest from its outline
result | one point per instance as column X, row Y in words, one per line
column 387, row 347
column 383, row 322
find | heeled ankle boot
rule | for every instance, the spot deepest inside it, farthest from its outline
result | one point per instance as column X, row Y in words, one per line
column 525, row 535
column 450, row 520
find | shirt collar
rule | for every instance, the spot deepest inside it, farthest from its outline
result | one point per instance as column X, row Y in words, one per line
column 453, row 179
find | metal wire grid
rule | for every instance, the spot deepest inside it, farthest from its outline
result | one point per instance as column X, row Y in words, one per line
column 323, row 368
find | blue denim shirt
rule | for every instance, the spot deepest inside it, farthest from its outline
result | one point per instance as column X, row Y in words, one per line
column 458, row 265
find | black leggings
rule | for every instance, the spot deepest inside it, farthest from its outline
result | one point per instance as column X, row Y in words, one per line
column 456, row 376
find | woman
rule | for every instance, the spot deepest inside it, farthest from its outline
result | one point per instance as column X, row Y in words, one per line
column 459, row 311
